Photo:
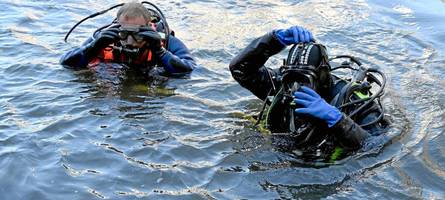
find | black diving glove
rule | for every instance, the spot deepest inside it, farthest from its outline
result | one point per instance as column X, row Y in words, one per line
column 171, row 63
column 153, row 39
column 104, row 39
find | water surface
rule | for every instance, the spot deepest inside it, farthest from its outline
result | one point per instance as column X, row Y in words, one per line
column 80, row 135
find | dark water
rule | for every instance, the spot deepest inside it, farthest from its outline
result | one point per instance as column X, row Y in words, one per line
column 79, row 135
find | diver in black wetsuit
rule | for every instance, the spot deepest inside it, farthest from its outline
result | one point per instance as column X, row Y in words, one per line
column 298, row 93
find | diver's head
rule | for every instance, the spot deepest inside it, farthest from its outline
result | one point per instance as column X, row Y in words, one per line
column 131, row 16
column 309, row 63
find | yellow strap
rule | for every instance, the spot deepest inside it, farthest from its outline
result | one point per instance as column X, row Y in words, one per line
column 360, row 94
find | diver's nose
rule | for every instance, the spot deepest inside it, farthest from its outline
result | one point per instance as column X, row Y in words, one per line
column 130, row 41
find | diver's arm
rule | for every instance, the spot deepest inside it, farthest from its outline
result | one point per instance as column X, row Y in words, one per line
column 345, row 130
column 80, row 57
column 177, row 59
column 248, row 67
column 77, row 57
column 353, row 134
column 368, row 123
column 349, row 133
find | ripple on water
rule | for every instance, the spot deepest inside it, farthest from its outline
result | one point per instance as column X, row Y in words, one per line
column 82, row 135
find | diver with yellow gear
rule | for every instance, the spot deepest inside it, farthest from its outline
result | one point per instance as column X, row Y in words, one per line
column 309, row 107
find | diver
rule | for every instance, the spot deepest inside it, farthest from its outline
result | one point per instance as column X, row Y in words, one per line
column 139, row 37
column 310, row 107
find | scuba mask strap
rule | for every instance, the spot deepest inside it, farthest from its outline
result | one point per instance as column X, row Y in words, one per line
column 294, row 54
column 299, row 54
column 324, row 70
column 324, row 64
column 324, row 54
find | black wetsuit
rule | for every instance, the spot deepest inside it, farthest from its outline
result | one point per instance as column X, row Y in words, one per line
column 248, row 69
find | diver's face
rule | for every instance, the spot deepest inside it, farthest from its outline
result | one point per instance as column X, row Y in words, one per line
column 131, row 41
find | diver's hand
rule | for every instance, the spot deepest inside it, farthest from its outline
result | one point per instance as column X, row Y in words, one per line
column 104, row 39
column 313, row 105
column 293, row 35
column 153, row 39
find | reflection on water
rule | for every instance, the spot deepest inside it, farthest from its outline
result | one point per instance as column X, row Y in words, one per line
column 112, row 134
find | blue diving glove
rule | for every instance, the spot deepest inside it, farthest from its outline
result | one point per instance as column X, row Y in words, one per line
column 293, row 35
column 313, row 105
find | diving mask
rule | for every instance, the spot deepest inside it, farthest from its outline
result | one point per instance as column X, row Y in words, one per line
column 130, row 30
column 307, row 64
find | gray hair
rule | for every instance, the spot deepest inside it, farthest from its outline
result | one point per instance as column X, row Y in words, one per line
column 134, row 9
